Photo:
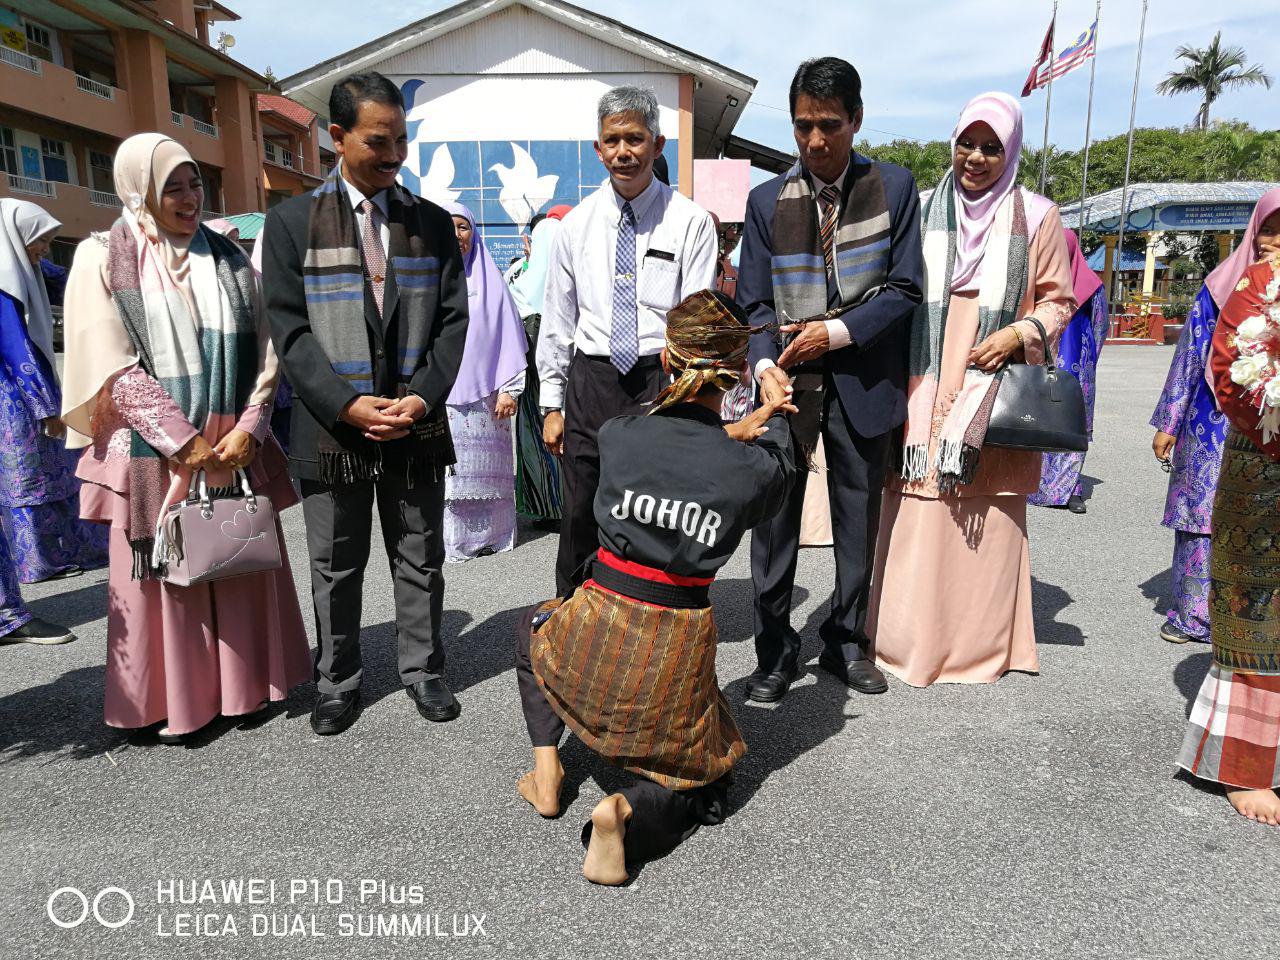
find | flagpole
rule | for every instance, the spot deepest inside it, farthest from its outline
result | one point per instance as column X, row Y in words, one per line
column 1088, row 117
column 1048, row 99
column 1128, row 159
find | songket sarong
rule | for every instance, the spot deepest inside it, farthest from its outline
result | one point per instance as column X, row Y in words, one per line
column 479, row 490
column 1233, row 734
column 637, row 684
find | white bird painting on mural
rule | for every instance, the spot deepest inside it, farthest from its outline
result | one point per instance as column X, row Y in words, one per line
column 523, row 191
column 437, row 185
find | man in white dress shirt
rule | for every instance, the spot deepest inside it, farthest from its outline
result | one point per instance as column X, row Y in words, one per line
column 625, row 256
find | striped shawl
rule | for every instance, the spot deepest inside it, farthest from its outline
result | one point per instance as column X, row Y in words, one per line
column 208, row 363
column 334, row 285
column 1004, row 278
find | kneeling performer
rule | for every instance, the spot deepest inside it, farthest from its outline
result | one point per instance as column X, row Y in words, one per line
column 628, row 660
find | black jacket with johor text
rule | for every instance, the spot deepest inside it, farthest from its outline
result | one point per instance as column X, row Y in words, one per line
column 678, row 494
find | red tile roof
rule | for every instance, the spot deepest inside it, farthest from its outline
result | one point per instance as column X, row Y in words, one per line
column 269, row 102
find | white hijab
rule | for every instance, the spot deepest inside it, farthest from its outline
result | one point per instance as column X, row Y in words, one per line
column 23, row 223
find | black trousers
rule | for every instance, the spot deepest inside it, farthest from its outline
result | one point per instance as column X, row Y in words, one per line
column 339, row 520
column 661, row 819
column 595, row 392
column 856, row 468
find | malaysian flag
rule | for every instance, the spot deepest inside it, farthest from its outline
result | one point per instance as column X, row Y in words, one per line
column 1074, row 56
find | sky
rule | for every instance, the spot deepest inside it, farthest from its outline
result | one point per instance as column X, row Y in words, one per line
column 920, row 60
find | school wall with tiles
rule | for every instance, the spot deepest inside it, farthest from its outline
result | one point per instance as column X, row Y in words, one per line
column 512, row 147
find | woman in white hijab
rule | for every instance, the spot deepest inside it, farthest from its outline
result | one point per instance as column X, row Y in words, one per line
column 39, row 509
column 169, row 369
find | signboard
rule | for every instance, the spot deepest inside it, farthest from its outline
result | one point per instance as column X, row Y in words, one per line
column 1204, row 216
column 1188, row 217
column 721, row 186
column 11, row 33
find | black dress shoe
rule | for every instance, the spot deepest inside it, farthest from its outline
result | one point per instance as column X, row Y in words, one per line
column 39, row 631
column 334, row 712
column 434, row 699
column 862, row 675
column 1075, row 503
column 770, row 687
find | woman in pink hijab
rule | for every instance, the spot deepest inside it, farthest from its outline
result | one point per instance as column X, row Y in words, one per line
column 951, row 600
column 1191, row 430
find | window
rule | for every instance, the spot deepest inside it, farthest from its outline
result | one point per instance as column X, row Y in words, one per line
column 100, row 175
column 8, row 153
column 39, row 44
column 55, row 160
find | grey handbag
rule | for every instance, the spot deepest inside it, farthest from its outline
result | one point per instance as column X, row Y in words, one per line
column 1038, row 407
column 206, row 537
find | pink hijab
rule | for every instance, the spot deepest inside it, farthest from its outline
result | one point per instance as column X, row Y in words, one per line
column 1222, row 281
column 1084, row 282
column 976, row 212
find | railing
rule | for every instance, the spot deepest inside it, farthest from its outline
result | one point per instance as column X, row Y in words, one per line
column 279, row 155
column 103, row 198
column 38, row 188
column 95, row 87
column 19, row 59
column 176, row 117
column 269, row 151
column 208, row 129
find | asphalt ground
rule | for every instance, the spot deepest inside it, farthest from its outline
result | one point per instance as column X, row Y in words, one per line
column 1038, row 816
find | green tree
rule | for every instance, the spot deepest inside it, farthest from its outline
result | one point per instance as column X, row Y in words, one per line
column 1210, row 72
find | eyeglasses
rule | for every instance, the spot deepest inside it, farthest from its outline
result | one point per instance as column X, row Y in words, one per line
column 990, row 149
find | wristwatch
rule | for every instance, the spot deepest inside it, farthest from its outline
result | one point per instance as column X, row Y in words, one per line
column 546, row 410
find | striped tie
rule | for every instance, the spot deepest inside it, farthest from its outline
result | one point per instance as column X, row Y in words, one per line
column 375, row 258
column 830, row 198
column 624, row 339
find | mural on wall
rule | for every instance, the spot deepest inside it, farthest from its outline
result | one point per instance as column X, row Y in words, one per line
column 504, row 182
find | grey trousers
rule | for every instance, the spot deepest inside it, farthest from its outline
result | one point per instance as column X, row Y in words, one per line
column 339, row 520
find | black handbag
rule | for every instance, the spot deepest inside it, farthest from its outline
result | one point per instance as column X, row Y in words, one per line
column 1038, row 407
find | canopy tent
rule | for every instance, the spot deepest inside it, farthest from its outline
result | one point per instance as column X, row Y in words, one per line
column 1181, row 207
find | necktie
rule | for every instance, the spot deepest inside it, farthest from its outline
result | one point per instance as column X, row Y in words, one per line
column 375, row 258
column 624, row 340
column 829, row 196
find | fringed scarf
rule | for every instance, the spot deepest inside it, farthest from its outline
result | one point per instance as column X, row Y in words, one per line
column 207, row 363
column 334, row 283
column 861, row 254
column 1003, row 282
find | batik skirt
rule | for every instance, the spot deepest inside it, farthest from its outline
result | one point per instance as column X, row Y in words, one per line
column 1233, row 735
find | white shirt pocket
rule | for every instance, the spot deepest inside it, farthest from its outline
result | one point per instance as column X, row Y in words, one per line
column 659, row 286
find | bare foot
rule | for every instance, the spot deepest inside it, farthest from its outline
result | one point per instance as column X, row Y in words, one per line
column 541, row 785
column 606, row 861
column 1261, row 806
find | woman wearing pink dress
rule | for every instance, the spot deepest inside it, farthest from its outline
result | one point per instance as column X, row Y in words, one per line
column 951, row 601
column 169, row 370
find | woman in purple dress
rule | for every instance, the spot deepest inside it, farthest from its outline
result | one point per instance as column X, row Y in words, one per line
column 39, row 492
column 17, row 625
column 1077, row 353
column 1191, row 430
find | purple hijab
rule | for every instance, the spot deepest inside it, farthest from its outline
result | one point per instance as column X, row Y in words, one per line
column 495, row 348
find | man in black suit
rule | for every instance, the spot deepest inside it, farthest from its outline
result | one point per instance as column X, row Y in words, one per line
column 367, row 299
column 837, row 239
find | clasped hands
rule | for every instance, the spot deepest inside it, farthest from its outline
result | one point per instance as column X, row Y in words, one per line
column 235, row 451
column 382, row 419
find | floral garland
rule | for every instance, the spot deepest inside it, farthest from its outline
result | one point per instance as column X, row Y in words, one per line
column 1257, row 370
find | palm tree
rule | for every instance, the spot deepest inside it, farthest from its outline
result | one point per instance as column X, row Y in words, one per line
column 1210, row 72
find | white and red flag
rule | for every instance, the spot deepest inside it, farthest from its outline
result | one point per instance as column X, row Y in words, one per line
column 1046, row 51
